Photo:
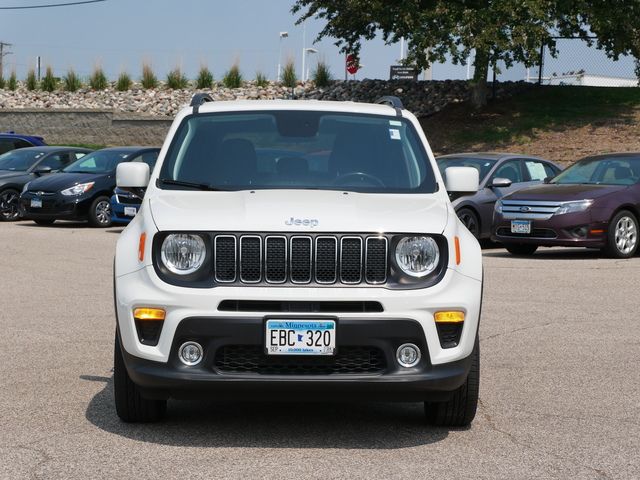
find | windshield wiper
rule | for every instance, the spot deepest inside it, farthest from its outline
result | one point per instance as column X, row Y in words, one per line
column 198, row 186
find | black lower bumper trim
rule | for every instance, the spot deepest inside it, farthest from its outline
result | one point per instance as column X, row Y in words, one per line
column 175, row 380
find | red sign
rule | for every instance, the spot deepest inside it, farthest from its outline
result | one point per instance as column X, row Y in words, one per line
column 353, row 64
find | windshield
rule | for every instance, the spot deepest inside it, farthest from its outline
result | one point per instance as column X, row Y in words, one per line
column 20, row 160
column 102, row 161
column 483, row 165
column 606, row 171
column 297, row 150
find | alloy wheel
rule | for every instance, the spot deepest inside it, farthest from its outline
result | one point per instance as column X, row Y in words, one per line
column 626, row 235
column 103, row 212
column 9, row 205
column 469, row 221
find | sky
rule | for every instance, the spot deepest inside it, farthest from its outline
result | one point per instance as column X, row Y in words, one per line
column 120, row 35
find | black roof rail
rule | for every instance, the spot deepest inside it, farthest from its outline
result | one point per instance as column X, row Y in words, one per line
column 392, row 101
column 198, row 99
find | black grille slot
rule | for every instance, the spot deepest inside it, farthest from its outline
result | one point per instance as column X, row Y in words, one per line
column 301, row 259
column 351, row 260
column 326, row 259
column 276, row 259
column 250, row 259
column 299, row 307
column 376, row 262
column 225, row 258
column 251, row 359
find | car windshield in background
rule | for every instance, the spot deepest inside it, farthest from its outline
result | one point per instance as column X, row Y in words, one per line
column 298, row 150
column 483, row 165
column 19, row 160
column 98, row 162
column 607, row 171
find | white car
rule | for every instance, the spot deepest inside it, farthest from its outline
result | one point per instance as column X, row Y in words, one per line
column 298, row 250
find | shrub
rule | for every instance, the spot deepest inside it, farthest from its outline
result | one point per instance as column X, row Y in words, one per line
column 13, row 81
column 72, row 81
column 31, row 82
column 98, row 79
column 149, row 79
column 233, row 78
column 289, row 78
column 124, row 82
column 322, row 74
column 205, row 79
column 176, row 80
column 261, row 80
column 49, row 82
column 3, row 83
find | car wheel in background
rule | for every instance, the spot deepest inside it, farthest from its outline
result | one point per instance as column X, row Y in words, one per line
column 44, row 222
column 622, row 237
column 460, row 409
column 100, row 212
column 9, row 205
column 470, row 220
column 521, row 249
column 130, row 405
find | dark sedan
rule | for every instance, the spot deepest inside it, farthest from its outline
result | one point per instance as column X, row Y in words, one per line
column 18, row 167
column 81, row 191
column 500, row 174
column 594, row 203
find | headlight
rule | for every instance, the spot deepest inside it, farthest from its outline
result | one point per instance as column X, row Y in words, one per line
column 570, row 207
column 417, row 256
column 26, row 187
column 78, row 189
column 183, row 253
column 498, row 207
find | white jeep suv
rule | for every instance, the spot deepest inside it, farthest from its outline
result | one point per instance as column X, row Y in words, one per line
column 299, row 250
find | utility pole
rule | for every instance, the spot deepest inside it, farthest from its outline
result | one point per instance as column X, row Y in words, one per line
column 2, row 55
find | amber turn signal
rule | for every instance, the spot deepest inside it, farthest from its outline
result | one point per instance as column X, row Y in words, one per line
column 457, row 245
column 149, row 314
column 453, row 316
column 141, row 243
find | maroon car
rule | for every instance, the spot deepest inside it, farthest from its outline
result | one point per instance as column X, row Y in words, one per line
column 595, row 203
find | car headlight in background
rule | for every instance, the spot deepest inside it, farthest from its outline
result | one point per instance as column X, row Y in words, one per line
column 183, row 253
column 78, row 189
column 571, row 207
column 417, row 256
column 26, row 187
column 498, row 207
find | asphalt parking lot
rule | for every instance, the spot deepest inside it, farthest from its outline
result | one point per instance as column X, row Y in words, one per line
column 560, row 387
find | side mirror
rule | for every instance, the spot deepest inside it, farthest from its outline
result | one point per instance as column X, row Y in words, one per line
column 499, row 182
column 547, row 179
column 43, row 170
column 133, row 177
column 461, row 179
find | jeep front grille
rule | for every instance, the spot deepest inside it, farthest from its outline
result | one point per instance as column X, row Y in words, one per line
column 300, row 259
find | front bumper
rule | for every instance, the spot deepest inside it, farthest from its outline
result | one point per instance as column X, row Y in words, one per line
column 561, row 230
column 195, row 314
column 55, row 206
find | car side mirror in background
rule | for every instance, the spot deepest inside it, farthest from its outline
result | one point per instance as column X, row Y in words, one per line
column 133, row 177
column 547, row 179
column 43, row 170
column 461, row 179
column 499, row 182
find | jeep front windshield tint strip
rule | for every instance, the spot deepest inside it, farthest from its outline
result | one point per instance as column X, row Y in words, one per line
column 298, row 150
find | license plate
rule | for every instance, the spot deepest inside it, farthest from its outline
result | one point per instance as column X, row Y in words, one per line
column 521, row 226
column 36, row 203
column 130, row 211
column 300, row 337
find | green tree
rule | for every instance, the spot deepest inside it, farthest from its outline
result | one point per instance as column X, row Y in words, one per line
column 494, row 31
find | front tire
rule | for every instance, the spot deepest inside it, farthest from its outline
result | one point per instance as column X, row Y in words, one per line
column 521, row 249
column 470, row 220
column 460, row 409
column 622, row 236
column 9, row 205
column 130, row 405
column 100, row 213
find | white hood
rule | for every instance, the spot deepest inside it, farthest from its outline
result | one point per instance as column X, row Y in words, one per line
column 323, row 211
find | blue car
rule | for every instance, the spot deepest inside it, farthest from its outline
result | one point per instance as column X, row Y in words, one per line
column 12, row 141
column 125, row 205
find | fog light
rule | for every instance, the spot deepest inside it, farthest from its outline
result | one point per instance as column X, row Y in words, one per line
column 190, row 353
column 408, row 355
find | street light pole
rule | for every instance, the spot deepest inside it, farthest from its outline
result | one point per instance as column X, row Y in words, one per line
column 304, row 47
column 282, row 35
column 306, row 51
